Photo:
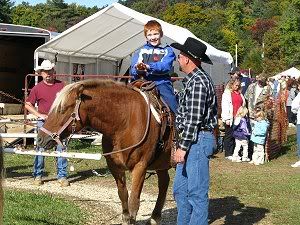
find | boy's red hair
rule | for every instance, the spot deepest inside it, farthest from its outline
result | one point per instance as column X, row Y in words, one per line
column 152, row 25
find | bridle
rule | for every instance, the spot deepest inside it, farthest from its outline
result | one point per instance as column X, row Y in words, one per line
column 73, row 119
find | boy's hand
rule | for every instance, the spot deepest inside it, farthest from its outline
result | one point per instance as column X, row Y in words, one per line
column 141, row 66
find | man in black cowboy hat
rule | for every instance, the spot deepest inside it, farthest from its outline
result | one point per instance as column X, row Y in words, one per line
column 196, row 121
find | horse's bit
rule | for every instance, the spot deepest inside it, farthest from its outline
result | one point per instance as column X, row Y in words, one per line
column 73, row 119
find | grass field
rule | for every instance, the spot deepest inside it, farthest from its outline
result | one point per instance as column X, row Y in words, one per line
column 240, row 193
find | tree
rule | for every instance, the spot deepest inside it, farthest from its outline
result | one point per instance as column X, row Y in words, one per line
column 185, row 15
column 5, row 11
column 274, row 58
column 260, row 27
column 289, row 26
column 57, row 4
column 253, row 60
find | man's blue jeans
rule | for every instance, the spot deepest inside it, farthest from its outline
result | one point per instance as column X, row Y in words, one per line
column 191, row 182
column 298, row 140
column 39, row 161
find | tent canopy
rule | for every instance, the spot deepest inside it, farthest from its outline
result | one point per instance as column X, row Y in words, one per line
column 292, row 72
column 105, row 41
column 113, row 33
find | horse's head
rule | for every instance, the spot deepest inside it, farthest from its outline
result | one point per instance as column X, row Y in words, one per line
column 64, row 117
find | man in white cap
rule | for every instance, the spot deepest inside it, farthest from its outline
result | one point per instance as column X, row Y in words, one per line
column 44, row 94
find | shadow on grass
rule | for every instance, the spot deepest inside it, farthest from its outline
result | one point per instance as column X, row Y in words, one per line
column 13, row 171
column 234, row 212
column 225, row 211
column 83, row 175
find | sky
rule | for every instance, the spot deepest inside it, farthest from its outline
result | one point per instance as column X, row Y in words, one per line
column 87, row 3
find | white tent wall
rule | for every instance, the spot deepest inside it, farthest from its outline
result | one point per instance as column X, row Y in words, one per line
column 292, row 72
column 110, row 36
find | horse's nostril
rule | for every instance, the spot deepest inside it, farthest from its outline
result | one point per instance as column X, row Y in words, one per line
column 39, row 139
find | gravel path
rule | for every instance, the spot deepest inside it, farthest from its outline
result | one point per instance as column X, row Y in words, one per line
column 102, row 202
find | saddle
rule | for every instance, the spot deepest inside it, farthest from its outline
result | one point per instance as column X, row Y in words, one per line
column 167, row 117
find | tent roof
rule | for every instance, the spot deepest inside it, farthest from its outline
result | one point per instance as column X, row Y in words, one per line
column 292, row 72
column 113, row 33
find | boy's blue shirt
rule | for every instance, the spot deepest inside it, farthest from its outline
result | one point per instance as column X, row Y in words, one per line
column 160, row 60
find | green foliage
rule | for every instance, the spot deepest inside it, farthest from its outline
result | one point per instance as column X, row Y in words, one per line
column 154, row 8
column 185, row 15
column 253, row 60
column 55, row 15
column 5, row 11
column 289, row 26
column 234, row 14
column 274, row 58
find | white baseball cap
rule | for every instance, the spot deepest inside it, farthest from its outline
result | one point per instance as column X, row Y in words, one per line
column 46, row 65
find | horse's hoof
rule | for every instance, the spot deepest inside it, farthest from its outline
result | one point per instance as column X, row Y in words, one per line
column 126, row 219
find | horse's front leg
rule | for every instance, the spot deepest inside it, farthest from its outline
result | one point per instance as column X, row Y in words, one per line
column 163, row 184
column 120, row 179
column 138, row 177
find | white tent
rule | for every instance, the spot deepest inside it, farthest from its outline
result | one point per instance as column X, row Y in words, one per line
column 105, row 41
column 292, row 72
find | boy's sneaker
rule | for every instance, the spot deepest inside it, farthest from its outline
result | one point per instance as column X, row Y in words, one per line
column 251, row 162
column 245, row 160
column 38, row 181
column 63, row 182
column 296, row 164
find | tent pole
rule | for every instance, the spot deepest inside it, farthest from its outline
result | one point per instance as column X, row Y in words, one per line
column 97, row 66
column 70, row 69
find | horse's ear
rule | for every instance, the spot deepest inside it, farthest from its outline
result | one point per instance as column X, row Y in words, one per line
column 79, row 91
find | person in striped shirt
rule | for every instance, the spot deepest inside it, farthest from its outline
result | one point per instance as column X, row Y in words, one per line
column 195, row 121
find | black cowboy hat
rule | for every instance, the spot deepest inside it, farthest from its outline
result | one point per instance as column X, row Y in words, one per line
column 193, row 48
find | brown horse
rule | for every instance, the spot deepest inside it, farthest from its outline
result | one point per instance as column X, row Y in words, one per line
column 122, row 115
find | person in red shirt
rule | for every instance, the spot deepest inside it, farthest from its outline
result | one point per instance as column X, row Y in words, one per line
column 44, row 94
column 232, row 100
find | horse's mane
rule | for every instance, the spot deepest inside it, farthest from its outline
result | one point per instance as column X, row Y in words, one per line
column 63, row 96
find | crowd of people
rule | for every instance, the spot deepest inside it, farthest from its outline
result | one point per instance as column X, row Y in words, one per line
column 247, row 113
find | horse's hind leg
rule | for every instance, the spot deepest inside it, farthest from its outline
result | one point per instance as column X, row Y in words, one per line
column 163, row 184
column 120, row 179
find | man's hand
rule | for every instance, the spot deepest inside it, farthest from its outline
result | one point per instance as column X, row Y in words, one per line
column 179, row 155
column 227, row 122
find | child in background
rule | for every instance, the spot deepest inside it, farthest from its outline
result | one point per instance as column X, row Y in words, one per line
column 258, row 137
column 241, row 134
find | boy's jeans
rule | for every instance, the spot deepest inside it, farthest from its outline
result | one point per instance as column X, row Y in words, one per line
column 39, row 164
column 191, row 182
column 166, row 91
